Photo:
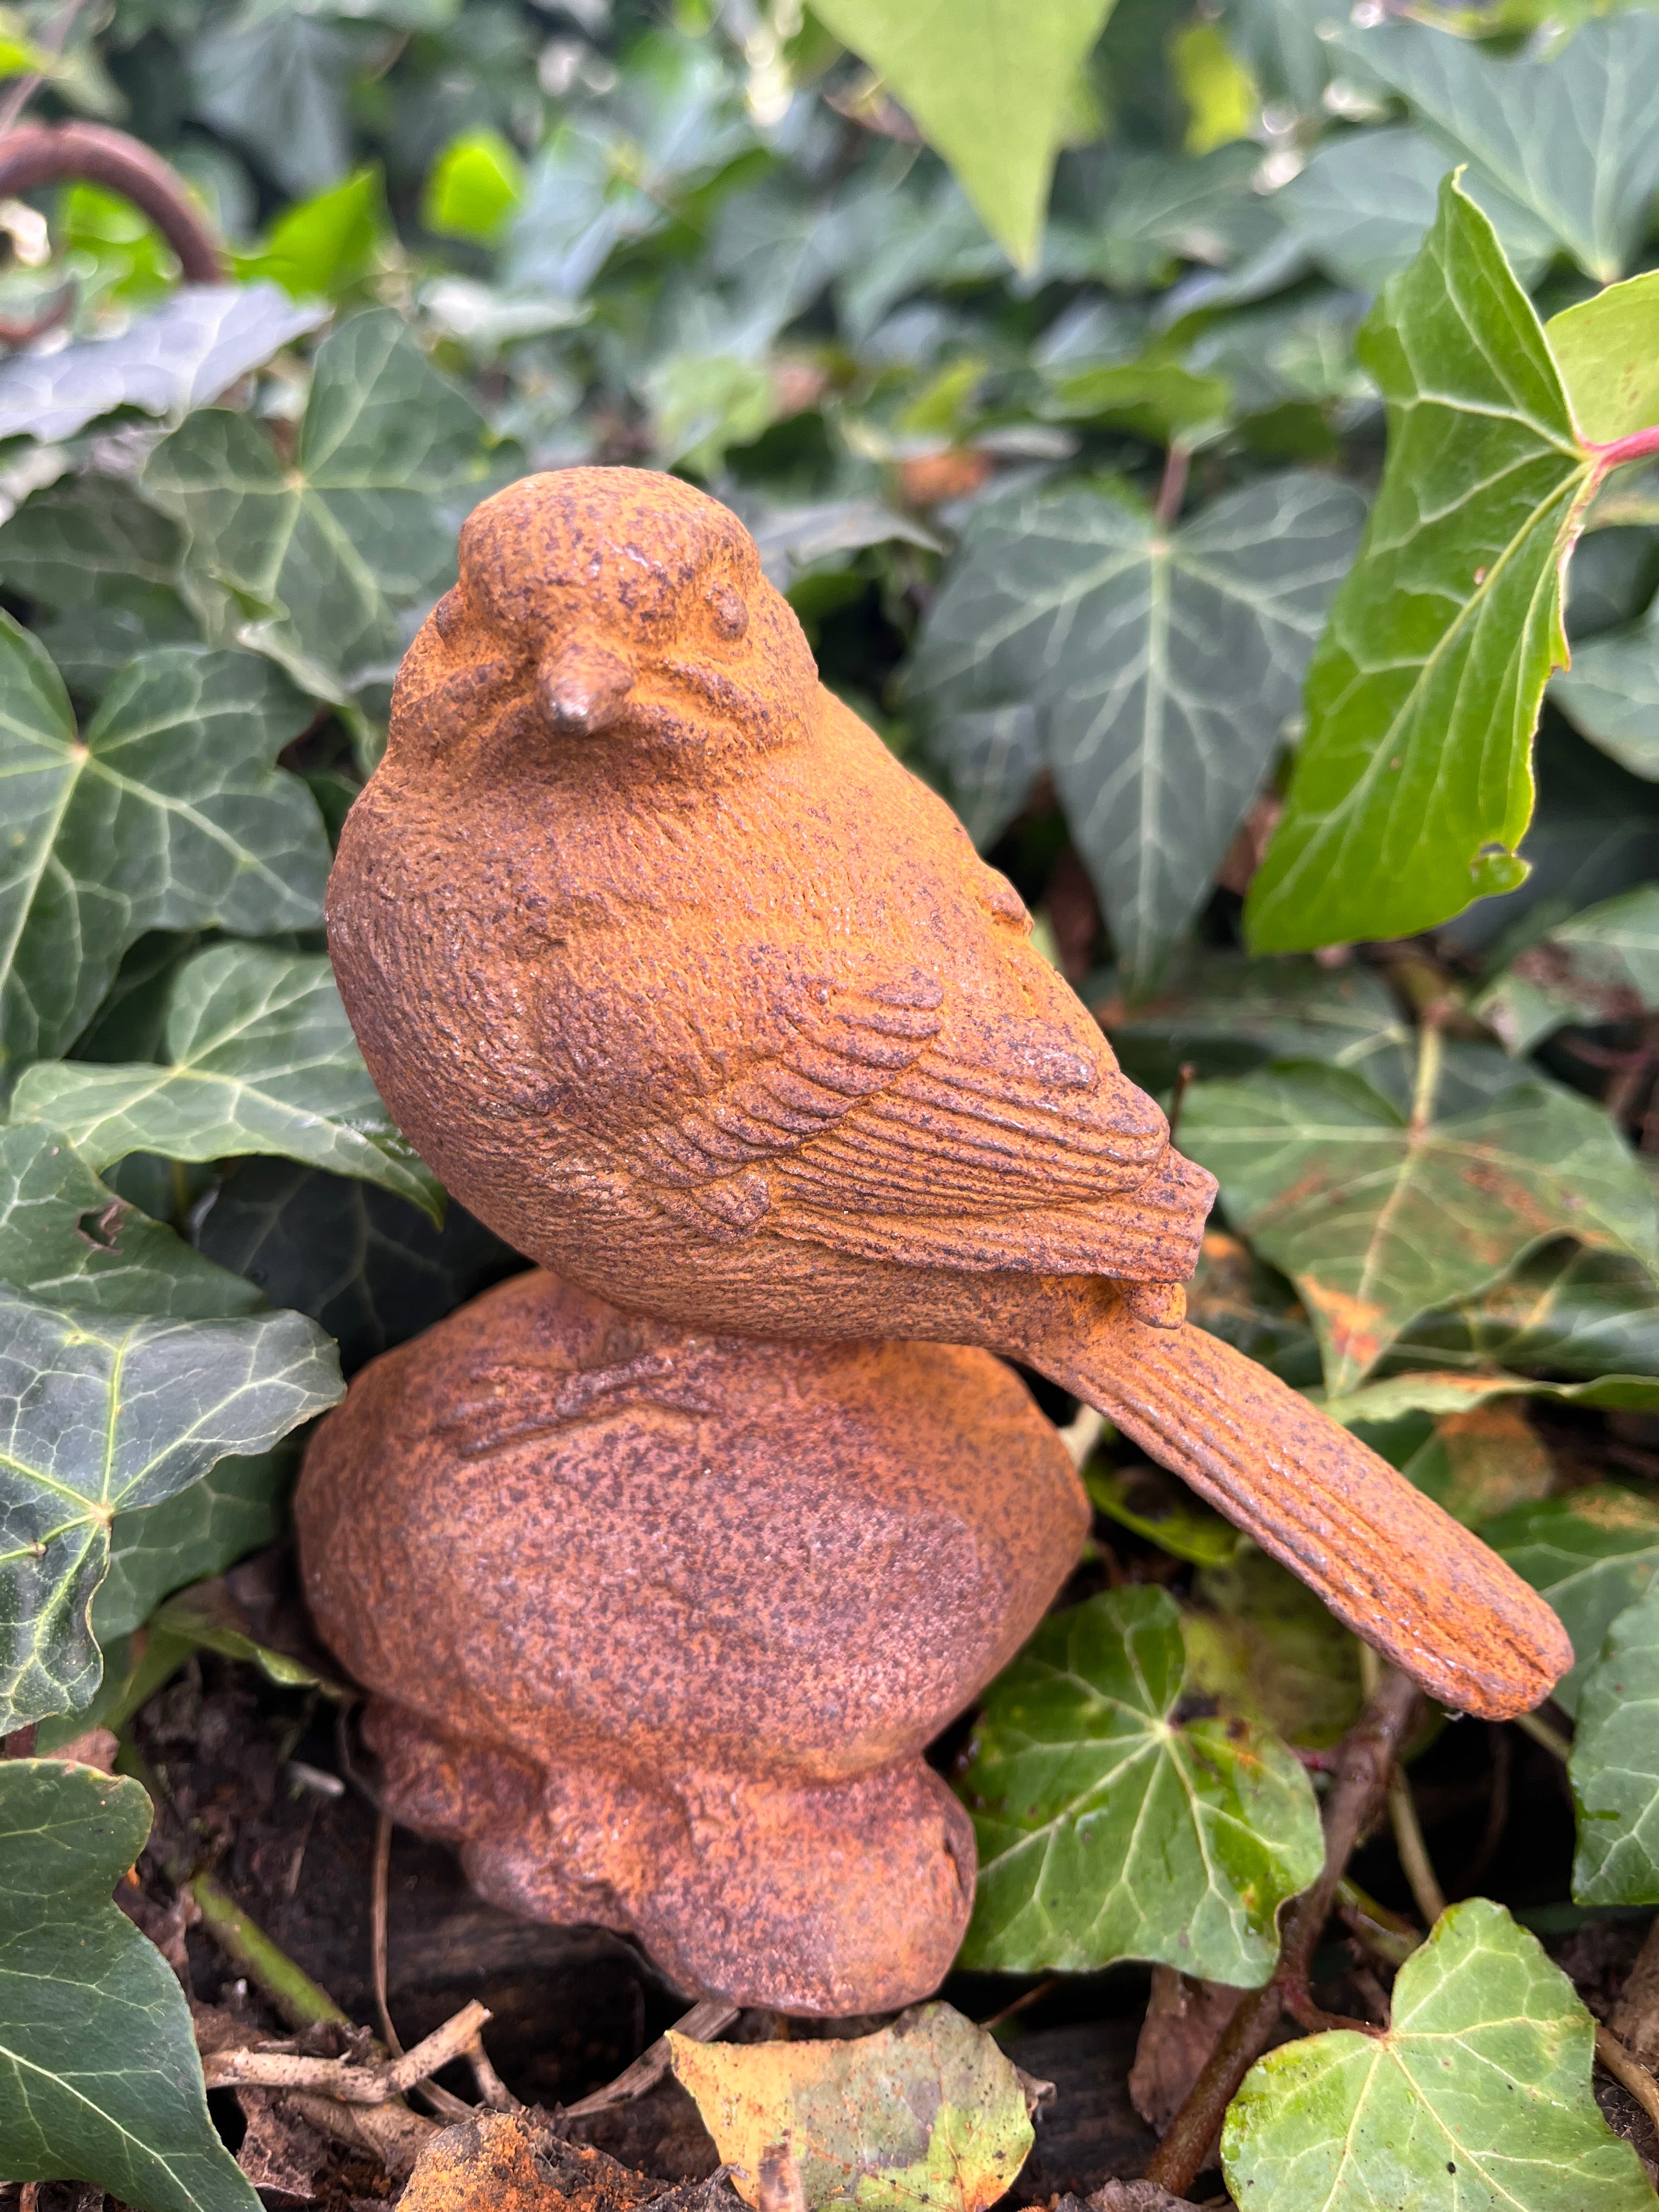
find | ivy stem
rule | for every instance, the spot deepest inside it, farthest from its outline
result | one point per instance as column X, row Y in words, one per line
column 1430, row 1054
column 1173, row 489
column 1365, row 1760
column 1636, row 447
column 1539, row 1730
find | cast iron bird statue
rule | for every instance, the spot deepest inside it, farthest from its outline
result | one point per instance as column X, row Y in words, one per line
column 691, row 992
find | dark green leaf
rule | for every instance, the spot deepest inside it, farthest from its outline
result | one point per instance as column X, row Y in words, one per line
column 89, row 549
column 1591, row 1552
column 1260, row 1644
column 260, row 1059
column 1572, row 138
column 238, row 1506
column 314, row 562
column 1600, row 966
column 1615, row 1767
column 273, row 79
column 1477, row 2098
column 166, row 813
column 1413, row 784
column 371, row 1268
column 1564, row 1311
column 1611, row 693
column 1162, row 665
column 1155, row 1505
column 1363, row 205
column 99, row 2075
column 1107, row 1830
column 1376, row 1220
column 66, row 1239
column 105, row 1414
column 180, row 356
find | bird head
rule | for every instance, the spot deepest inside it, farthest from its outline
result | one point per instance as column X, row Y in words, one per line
column 599, row 605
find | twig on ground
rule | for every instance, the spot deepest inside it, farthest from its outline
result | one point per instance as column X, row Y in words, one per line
column 343, row 2078
column 378, row 1906
column 300, row 2001
column 1387, row 1935
column 1612, row 2058
column 1540, row 1732
column 492, row 2090
column 1038, row 1989
column 1365, row 1762
column 1413, row 1851
column 703, row 2024
column 1081, row 1433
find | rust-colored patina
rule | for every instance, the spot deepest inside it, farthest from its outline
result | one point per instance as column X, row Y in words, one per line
column 688, row 989
column 657, row 1625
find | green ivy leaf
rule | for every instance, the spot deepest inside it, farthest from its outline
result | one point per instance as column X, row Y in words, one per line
column 274, row 79
column 182, row 355
column 1260, row 1644
column 1604, row 348
column 166, row 813
column 1564, row 1311
column 1590, row 1553
column 1476, row 2100
column 1572, row 138
column 1364, row 202
column 991, row 90
column 103, row 1413
column 1161, row 665
column 1376, row 1219
column 1107, row 1830
column 67, row 1239
column 1414, row 785
column 260, row 1059
column 91, row 550
column 99, row 2075
column 239, row 1504
column 370, row 1267
column 1158, row 1506
column 325, row 247
column 474, row 190
column 1424, row 1390
column 315, row 562
column 1615, row 1767
column 1600, row 966
column 1611, row 695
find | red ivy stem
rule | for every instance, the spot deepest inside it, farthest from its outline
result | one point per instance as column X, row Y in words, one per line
column 1635, row 447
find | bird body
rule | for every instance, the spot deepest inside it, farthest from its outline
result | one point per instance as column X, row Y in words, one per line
column 691, row 991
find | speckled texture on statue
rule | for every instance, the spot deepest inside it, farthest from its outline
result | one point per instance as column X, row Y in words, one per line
column 657, row 1625
column 689, row 990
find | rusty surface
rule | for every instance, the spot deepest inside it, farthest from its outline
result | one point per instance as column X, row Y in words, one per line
column 507, row 2162
column 659, row 1625
column 691, row 991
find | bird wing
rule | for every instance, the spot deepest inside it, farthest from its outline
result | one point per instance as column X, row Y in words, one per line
column 878, row 1103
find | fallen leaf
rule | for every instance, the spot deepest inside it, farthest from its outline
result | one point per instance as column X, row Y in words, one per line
column 929, row 2112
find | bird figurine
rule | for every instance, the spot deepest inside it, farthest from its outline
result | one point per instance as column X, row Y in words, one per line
column 688, row 989
column 658, row 1626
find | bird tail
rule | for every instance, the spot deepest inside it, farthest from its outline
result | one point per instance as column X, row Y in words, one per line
column 1402, row 1574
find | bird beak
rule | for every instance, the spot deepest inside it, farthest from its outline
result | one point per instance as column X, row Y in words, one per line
column 584, row 687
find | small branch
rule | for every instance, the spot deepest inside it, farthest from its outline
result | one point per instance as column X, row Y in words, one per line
column 1387, row 1935
column 1173, row 489
column 340, row 2078
column 1413, row 1851
column 1431, row 1055
column 1540, row 1732
column 300, row 2001
column 703, row 2024
column 1365, row 1762
column 1081, row 1433
column 492, row 2090
column 36, row 154
column 1615, row 2059
column 378, row 1907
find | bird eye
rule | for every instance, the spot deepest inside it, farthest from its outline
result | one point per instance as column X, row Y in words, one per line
column 731, row 615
